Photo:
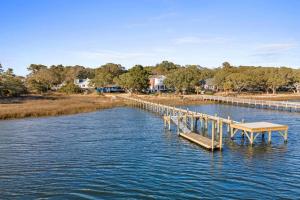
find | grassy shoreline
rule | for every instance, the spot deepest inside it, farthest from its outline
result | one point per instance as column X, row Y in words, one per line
column 54, row 105
column 57, row 104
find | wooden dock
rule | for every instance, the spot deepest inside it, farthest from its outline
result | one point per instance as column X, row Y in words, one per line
column 191, row 124
column 263, row 104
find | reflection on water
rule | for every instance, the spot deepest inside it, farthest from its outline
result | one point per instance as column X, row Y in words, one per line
column 125, row 153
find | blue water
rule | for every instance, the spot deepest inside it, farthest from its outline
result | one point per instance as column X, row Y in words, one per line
column 124, row 153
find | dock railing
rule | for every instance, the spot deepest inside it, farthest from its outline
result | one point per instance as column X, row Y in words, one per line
column 266, row 104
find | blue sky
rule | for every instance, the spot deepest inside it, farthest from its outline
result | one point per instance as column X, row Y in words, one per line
column 94, row 32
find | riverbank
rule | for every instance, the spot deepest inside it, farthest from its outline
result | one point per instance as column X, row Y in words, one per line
column 58, row 104
column 54, row 105
column 173, row 100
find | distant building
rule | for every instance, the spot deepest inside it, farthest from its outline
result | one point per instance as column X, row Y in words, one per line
column 208, row 84
column 83, row 83
column 110, row 89
column 59, row 86
column 157, row 83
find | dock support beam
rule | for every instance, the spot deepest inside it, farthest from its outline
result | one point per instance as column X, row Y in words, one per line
column 285, row 135
column 221, row 134
column 212, row 135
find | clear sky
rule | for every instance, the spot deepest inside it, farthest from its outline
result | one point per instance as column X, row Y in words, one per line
column 94, row 32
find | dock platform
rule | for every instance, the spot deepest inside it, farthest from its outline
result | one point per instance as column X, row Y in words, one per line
column 252, row 130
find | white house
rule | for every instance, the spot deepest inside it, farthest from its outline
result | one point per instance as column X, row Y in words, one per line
column 157, row 83
column 83, row 83
column 209, row 84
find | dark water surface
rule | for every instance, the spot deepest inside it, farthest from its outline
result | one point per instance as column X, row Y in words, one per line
column 124, row 153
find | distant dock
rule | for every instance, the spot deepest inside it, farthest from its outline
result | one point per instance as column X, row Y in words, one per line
column 263, row 104
column 191, row 124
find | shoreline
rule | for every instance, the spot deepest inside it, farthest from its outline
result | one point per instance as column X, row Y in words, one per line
column 34, row 106
column 54, row 105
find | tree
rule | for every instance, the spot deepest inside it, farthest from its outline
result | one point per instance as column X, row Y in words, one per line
column 296, row 80
column 58, row 75
column 1, row 81
column 114, row 69
column 136, row 79
column 226, row 65
column 1, row 69
column 10, row 85
column 221, row 74
column 106, row 73
column 42, row 80
column 85, row 73
column 237, row 82
column 183, row 79
column 70, row 88
column 278, row 77
column 34, row 68
column 164, row 68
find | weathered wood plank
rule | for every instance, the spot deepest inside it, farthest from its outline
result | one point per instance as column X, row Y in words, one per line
column 200, row 140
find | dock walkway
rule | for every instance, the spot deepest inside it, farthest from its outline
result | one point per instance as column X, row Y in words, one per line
column 274, row 105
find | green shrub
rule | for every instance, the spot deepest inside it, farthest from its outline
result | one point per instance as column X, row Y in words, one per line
column 70, row 88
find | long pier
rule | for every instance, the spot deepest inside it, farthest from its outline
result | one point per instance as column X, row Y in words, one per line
column 207, row 130
column 274, row 105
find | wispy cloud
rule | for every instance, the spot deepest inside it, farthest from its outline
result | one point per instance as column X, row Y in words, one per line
column 199, row 40
column 276, row 47
column 271, row 53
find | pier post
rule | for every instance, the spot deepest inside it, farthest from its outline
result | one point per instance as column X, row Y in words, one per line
column 169, row 122
column 212, row 135
column 228, row 125
column 221, row 134
column 192, row 123
column 285, row 135
column 217, row 121
column 243, row 132
column 178, row 124
column 231, row 132
column 201, row 123
column 251, row 138
column 206, row 123
column 270, row 137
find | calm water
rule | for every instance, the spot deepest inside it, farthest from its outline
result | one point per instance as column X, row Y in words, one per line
column 124, row 153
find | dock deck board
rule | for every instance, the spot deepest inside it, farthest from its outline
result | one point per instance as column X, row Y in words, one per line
column 200, row 140
column 259, row 126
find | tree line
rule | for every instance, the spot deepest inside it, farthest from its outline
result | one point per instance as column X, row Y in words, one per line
column 180, row 79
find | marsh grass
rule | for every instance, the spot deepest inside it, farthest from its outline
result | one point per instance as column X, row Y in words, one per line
column 37, row 106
